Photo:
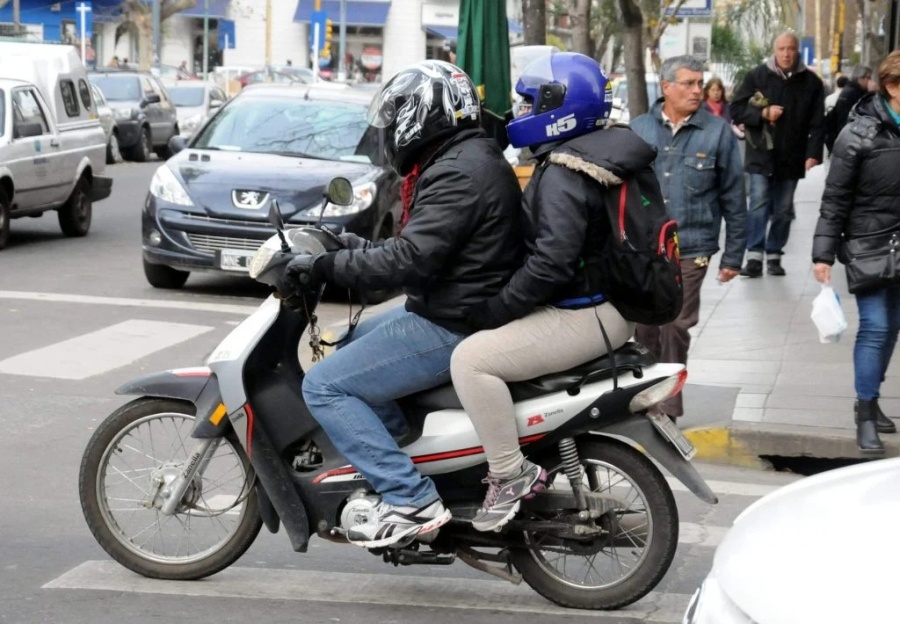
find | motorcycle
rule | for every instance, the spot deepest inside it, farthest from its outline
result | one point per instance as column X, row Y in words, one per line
column 177, row 483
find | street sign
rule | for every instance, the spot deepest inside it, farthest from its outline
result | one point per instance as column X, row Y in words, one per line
column 317, row 31
column 86, row 29
column 690, row 8
column 808, row 51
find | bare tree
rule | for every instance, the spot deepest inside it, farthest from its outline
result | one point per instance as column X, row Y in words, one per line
column 662, row 16
column 138, row 19
column 579, row 12
column 633, row 55
column 534, row 15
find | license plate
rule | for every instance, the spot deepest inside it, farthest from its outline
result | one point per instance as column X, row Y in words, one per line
column 235, row 260
column 672, row 433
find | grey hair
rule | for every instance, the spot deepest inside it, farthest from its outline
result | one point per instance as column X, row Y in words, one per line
column 671, row 66
column 859, row 71
column 787, row 33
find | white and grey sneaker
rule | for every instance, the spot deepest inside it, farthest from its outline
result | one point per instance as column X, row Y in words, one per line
column 391, row 525
column 504, row 496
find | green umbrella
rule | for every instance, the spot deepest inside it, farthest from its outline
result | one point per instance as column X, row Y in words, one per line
column 483, row 53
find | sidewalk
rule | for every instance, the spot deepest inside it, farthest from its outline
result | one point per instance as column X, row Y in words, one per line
column 759, row 381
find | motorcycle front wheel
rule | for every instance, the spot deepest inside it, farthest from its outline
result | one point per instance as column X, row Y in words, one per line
column 128, row 463
column 621, row 564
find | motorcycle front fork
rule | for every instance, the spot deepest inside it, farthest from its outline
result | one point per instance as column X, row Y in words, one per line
column 173, row 492
column 568, row 452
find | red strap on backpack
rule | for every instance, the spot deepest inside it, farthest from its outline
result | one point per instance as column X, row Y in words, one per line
column 623, row 194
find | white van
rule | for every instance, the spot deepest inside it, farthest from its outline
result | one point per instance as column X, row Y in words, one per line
column 52, row 147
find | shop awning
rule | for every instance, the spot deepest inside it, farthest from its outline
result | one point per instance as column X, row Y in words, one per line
column 452, row 32
column 359, row 12
column 218, row 9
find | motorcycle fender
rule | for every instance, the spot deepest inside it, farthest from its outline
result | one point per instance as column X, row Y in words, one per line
column 640, row 431
column 185, row 384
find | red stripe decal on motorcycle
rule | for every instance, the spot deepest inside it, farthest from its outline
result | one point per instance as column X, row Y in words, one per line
column 249, row 430
column 335, row 473
column 475, row 450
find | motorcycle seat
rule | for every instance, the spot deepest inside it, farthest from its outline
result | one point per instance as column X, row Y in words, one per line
column 631, row 356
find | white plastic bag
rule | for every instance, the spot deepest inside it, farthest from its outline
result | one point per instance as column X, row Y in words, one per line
column 828, row 315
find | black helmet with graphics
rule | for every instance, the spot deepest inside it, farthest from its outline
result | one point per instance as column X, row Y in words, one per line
column 423, row 104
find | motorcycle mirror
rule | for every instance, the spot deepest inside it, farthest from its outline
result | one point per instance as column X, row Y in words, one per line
column 339, row 192
column 277, row 220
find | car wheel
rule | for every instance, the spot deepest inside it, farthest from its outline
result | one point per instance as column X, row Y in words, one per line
column 75, row 214
column 163, row 151
column 4, row 218
column 162, row 276
column 113, row 153
column 141, row 151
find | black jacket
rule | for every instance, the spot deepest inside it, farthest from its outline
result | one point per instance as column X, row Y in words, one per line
column 837, row 117
column 862, row 191
column 797, row 135
column 462, row 242
column 566, row 220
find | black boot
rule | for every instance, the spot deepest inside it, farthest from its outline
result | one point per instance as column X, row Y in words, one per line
column 866, row 432
column 753, row 268
column 773, row 267
column 882, row 423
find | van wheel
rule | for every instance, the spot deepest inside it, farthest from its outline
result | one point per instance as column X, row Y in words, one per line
column 75, row 214
column 162, row 276
column 141, row 151
column 4, row 218
column 113, row 153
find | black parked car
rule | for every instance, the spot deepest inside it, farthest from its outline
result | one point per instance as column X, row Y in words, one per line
column 208, row 204
column 145, row 116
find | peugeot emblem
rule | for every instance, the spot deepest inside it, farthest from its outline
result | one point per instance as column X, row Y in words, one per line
column 249, row 200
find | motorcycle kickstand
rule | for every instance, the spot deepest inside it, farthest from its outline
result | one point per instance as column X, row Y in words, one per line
column 197, row 461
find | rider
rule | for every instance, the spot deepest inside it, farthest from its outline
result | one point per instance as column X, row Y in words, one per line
column 547, row 318
column 461, row 243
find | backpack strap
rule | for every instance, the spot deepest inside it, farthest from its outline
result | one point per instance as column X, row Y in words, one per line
column 623, row 198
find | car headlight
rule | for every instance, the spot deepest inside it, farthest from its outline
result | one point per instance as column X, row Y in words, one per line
column 363, row 196
column 167, row 187
column 711, row 605
column 123, row 113
column 190, row 125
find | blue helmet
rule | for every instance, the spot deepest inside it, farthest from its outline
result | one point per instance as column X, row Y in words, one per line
column 570, row 96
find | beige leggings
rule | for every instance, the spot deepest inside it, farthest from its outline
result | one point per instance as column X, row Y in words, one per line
column 546, row 341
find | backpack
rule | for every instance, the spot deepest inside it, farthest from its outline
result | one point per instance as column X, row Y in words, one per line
column 639, row 268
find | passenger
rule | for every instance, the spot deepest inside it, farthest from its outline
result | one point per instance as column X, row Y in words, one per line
column 461, row 244
column 547, row 318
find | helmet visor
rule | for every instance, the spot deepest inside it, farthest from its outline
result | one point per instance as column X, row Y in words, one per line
column 382, row 110
column 537, row 73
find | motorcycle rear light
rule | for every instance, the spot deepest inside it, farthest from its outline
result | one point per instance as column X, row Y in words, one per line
column 657, row 393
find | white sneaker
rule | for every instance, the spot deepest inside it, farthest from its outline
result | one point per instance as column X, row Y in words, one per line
column 392, row 524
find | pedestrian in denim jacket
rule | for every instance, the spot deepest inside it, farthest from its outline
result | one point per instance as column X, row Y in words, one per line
column 698, row 164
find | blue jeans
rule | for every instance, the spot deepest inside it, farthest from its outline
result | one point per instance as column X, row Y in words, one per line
column 773, row 200
column 352, row 393
column 879, row 322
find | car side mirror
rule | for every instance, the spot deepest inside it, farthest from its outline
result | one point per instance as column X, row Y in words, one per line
column 177, row 143
column 215, row 103
column 151, row 98
column 27, row 129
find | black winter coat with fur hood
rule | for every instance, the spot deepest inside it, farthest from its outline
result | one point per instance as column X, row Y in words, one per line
column 565, row 220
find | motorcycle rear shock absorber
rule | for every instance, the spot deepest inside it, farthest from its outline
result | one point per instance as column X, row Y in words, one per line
column 568, row 452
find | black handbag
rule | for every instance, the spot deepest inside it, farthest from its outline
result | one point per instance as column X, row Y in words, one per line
column 871, row 260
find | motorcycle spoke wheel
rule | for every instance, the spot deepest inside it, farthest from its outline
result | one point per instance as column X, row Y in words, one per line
column 128, row 466
column 635, row 548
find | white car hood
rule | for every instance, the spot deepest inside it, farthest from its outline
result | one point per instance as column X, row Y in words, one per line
column 824, row 549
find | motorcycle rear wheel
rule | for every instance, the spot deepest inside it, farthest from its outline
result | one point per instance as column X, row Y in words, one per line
column 616, row 570
column 141, row 446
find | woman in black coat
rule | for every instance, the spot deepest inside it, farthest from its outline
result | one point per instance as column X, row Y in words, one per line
column 862, row 196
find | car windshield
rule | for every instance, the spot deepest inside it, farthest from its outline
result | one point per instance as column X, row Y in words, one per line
column 187, row 96
column 118, row 88
column 290, row 127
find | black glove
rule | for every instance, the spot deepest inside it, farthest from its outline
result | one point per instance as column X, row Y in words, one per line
column 299, row 273
column 488, row 314
column 352, row 241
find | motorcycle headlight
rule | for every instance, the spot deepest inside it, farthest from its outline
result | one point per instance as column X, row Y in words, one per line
column 264, row 255
column 166, row 186
column 363, row 196
column 123, row 113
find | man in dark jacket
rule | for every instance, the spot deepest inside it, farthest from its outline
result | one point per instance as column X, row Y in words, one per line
column 461, row 243
column 850, row 94
column 781, row 104
column 698, row 163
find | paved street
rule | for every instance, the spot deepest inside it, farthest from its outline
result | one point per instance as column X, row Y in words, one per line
column 77, row 319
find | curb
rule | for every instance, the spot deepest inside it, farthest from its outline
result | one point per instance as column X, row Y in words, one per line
column 746, row 443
